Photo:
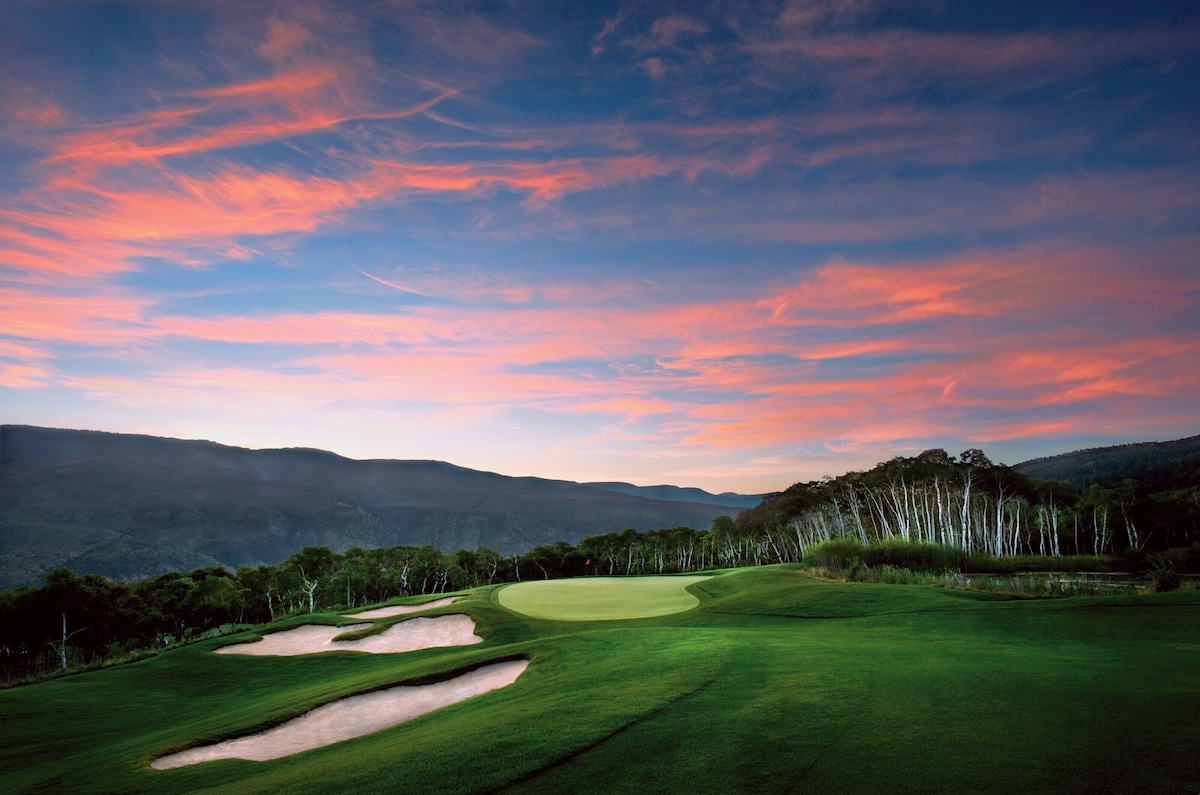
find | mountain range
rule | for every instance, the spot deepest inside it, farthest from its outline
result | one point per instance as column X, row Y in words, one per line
column 130, row 506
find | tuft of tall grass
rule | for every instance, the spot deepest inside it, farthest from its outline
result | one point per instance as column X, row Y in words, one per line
column 897, row 575
column 838, row 555
column 835, row 555
column 916, row 556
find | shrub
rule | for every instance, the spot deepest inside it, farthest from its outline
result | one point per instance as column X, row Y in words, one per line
column 857, row 572
column 898, row 576
column 915, row 556
column 835, row 555
column 1165, row 580
column 1164, row 570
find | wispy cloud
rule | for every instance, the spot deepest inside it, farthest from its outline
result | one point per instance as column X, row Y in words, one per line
column 828, row 355
column 732, row 237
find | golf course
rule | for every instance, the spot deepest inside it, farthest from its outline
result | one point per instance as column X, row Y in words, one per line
column 746, row 680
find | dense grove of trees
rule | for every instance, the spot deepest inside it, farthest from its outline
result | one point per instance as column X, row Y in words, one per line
column 966, row 504
column 977, row 506
column 72, row 620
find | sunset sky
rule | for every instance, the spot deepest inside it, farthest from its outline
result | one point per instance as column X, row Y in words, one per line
column 726, row 245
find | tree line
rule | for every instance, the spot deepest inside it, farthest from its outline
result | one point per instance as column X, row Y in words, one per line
column 971, row 504
column 965, row 503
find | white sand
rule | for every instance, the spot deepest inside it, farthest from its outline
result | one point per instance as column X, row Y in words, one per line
column 351, row 717
column 399, row 610
column 410, row 635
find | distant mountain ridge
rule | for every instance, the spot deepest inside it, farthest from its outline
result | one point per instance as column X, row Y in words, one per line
column 1162, row 465
column 130, row 506
column 725, row 499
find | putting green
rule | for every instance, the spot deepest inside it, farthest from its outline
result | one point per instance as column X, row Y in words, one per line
column 600, row 598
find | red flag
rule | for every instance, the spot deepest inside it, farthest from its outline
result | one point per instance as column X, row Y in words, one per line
column 587, row 562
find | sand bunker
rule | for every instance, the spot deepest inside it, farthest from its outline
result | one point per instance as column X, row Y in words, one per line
column 400, row 610
column 351, row 717
column 410, row 635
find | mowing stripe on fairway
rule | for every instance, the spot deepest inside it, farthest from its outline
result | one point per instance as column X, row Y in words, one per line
column 600, row 598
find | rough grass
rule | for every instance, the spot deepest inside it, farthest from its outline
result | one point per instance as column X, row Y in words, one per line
column 601, row 598
column 778, row 683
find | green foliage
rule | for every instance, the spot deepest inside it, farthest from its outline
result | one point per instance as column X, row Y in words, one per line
column 916, row 556
column 106, row 619
column 893, row 575
column 976, row 505
column 836, row 554
column 1164, row 569
column 842, row 554
column 1165, row 579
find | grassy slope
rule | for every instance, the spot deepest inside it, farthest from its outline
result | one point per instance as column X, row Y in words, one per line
column 776, row 684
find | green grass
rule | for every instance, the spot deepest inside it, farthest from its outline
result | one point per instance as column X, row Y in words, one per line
column 601, row 598
column 777, row 683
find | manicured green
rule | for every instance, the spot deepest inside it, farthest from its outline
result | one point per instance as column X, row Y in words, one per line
column 601, row 598
column 776, row 683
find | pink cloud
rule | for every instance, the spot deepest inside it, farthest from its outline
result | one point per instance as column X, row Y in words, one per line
column 903, row 56
column 26, row 110
column 283, row 38
column 668, row 30
column 46, row 257
column 118, row 185
column 310, row 99
column 728, row 373
column 715, row 385
column 111, row 223
column 35, row 316
column 877, row 352
column 21, row 376
column 114, row 185
column 301, row 329
column 654, row 68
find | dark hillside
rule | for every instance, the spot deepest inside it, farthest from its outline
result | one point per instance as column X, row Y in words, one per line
column 1159, row 466
column 677, row 494
column 132, row 506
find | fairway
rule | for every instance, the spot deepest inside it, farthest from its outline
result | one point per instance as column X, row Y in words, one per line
column 773, row 683
column 600, row 598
